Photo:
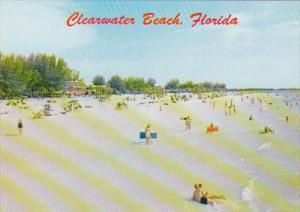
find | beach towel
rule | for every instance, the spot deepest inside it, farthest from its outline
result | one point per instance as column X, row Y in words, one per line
column 216, row 196
column 212, row 129
column 143, row 135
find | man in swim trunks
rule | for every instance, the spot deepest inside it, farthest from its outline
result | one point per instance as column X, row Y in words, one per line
column 204, row 199
column 20, row 127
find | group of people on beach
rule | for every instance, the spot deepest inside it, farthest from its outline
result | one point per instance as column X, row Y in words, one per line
column 229, row 109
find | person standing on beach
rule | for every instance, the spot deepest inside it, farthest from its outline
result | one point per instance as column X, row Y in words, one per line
column 187, row 122
column 148, row 134
column 20, row 127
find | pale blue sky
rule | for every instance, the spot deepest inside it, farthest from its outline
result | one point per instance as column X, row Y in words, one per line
column 263, row 50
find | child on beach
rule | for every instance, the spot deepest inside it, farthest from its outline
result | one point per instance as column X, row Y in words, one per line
column 20, row 127
column 148, row 134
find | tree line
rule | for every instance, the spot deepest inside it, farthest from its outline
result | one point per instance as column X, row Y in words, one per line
column 140, row 85
column 35, row 75
column 46, row 75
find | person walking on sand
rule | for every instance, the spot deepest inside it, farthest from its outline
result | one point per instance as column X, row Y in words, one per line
column 287, row 118
column 251, row 118
column 188, row 123
column 20, row 127
column 148, row 134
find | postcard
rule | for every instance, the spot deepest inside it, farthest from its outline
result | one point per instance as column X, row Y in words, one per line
column 149, row 106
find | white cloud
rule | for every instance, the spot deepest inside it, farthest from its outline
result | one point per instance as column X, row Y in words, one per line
column 39, row 26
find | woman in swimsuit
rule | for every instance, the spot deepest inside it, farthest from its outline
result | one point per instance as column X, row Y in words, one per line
column 148, row 134
column 197, row 193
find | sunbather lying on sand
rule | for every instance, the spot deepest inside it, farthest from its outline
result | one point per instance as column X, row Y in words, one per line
column 212, row 128
column 204, row 198
column 268, row 130
column 197, row 193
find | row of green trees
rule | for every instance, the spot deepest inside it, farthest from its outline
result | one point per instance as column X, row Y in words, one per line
column 127, row 85
column 46, row 75
column 174, row 84
column 35, row 75
column 140, row 85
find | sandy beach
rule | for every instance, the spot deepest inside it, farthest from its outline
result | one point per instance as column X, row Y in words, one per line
column 92, row 159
